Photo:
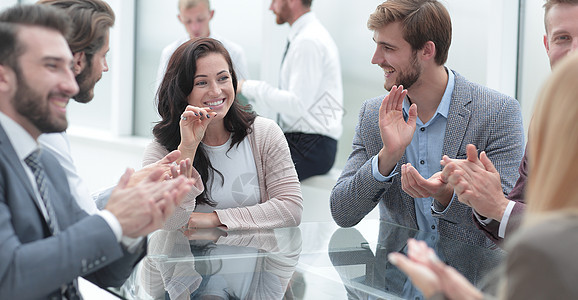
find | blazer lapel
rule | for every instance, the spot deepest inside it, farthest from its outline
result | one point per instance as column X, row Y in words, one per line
column 458, row 117
column 12, row 159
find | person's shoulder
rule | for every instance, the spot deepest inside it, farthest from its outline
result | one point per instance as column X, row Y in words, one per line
column 551, row 235
column 373, row 103
column 477, row 91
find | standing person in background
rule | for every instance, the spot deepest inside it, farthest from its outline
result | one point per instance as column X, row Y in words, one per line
column 196, row 15
column 309, row 100
column 243, row 161
column 476, row 180
column 541, row 262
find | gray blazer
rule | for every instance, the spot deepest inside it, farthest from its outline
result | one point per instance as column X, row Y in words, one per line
column 34, row 264
column 477, row 115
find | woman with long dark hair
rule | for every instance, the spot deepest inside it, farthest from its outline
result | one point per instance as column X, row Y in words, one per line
column 243, row 161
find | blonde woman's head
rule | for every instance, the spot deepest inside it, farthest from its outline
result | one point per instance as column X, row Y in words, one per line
column 553, row 143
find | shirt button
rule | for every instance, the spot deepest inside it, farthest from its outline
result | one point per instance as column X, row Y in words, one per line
column 421, row 162
column 433, row 227
column 422, row 129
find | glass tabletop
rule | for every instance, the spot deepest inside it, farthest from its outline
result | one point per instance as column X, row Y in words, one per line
column 316, row 260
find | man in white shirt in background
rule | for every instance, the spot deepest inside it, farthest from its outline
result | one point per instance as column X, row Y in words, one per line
column 195, row 15
column 309, row 100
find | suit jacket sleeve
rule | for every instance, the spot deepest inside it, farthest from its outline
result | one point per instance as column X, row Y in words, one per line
column 357, row 192
column 86, row 246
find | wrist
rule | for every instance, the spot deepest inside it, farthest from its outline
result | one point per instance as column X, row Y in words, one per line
column 445, row 197
column 187, row 151
column 386, row 161
column 498, row 214
column 216, row 222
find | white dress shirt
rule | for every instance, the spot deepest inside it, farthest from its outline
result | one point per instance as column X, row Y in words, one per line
column 310, row 94
column 59, row 146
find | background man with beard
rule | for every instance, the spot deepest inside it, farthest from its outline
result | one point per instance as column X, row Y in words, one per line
column 89, row 45
column 309, row 100
column 46, row 239
column 391, row 159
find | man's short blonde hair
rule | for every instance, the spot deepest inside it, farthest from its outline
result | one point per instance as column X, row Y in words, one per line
column 186, row 4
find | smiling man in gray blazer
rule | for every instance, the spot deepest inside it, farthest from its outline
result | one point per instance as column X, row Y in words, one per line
column 430, row 111
column 46, row 239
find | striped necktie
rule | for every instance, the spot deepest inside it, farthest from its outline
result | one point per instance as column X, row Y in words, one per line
column 69, row 290
column 33, row 162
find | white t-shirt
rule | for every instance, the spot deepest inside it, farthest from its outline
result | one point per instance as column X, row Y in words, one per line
column 241, row 185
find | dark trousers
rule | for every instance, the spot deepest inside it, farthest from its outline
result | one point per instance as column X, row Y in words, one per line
column 312, row 154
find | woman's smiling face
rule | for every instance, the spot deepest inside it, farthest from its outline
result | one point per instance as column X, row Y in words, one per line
column 213, row 85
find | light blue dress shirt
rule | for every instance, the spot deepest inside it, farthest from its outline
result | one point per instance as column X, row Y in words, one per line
column 424, row 153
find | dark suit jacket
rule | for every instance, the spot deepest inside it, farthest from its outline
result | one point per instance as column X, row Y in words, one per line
column 477, row 115
column 33, row 263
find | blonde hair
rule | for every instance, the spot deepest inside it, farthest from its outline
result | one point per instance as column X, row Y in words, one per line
column 186, row 4
column 553, row 145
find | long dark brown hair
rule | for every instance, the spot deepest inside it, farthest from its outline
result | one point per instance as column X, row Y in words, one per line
column 172, row 100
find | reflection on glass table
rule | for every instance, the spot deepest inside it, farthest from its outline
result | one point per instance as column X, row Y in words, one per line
column 313, row 261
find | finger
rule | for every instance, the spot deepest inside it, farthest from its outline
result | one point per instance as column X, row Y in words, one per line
column 417, row 182
column 124, row 179
column 167, row 206
column 405, row 185
column 487, row 163
column 472, row 154
column 171, row 157
column 447, row 171
column 174, row 171
column 389, row 98
column 402, row 262
column 412, row 115
column 400, row 97
column 154, row 176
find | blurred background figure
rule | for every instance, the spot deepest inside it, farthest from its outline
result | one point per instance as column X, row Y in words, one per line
column 196, row 15
column 309, row 101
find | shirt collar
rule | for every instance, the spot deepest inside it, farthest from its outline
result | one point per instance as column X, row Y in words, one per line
column 444, row 106
column 300, row 23
column 22, row 142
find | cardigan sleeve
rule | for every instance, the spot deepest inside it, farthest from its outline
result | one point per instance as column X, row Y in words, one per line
column 281, row 200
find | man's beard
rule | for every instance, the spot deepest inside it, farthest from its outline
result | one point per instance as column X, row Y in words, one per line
column 409, row 77
column 32, row 106
column 85, row 85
